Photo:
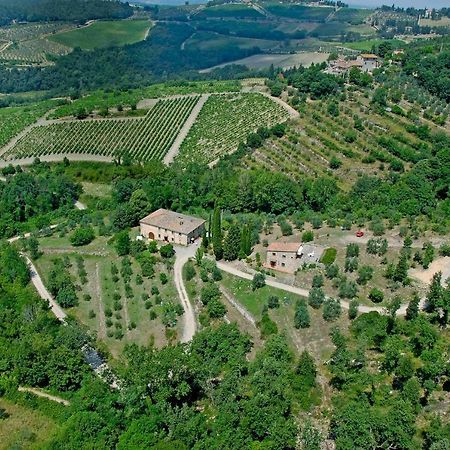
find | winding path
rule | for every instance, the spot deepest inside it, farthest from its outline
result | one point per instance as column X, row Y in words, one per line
column 305, row 292
column 182, row 256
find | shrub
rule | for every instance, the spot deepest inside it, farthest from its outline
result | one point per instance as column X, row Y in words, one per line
column 332, row 271
column 167, row 251
column 301, row 317
column 317, row 281
column 352, row 251
column 259, row 281
column 376, row 295
column 307, row 236
column 353, row 309
column 273, row 302
column 316, row 297
column 216, row 309
column 92, row 314
column 267, row 326
column 82, row 236
column 329, row 256
column 209, row 292
column 189, row 271
column 331, row 309
column 316, row 222
column 163, row 278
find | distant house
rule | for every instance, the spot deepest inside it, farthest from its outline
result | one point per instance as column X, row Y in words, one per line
column 169, row 226
column 369, row 62
column 341, row 66
column 290, row 256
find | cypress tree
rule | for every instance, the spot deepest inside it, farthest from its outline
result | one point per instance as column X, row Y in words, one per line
column 217, row 234
column 246, row 241
column 412, row 311
column 232, row 243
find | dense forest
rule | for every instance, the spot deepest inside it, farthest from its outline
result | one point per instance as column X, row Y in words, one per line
column 65, row 10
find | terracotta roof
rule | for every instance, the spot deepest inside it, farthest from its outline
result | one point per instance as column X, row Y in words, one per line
column 369, row 56
column 287, row 247
column 173, row 221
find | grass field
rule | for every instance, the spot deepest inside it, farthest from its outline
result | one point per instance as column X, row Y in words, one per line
column 284, row 61
column 230, row 11
column 104, row 34
column 442, row 22
column 24, row 428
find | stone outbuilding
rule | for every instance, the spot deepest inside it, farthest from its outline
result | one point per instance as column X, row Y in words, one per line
column 171, row 227
column 290, row 256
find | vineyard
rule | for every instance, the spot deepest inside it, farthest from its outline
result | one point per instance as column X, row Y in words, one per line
column 345, row 146
column 225, row 121
column 14, row 120
column 28, row 43
column 103, row 99
column 144, row 138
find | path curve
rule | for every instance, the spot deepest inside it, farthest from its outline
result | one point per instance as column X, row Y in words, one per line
column 305, row 292
column 182, row 256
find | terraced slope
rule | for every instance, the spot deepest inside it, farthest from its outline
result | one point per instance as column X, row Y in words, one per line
column 356, row 141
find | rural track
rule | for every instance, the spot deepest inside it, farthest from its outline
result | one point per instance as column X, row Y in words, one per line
column 175, row 148
column 92, row 357
column 42, row 394
column 56, row 158
column 305, row 292
column 182, row 256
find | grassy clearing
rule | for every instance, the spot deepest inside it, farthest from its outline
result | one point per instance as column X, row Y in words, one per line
column 104, row 34
column 24, row 428
column 255, row 301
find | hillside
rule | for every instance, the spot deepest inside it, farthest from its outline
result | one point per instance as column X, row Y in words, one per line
column 200, row 250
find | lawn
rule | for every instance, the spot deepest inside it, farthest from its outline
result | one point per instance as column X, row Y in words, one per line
column 24, row 428
column 104, row 34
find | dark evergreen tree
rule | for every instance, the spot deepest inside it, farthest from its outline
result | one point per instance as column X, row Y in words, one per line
column 217, row 233
column 232, row 243
column 412, row 311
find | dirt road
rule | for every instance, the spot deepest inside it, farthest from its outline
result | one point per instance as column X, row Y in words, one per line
column 305, row 292
column 42, row 394
column 175, row 148
column 181, row 258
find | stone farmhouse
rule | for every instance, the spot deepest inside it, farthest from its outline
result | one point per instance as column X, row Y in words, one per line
column 290, row 256
column 172, row 227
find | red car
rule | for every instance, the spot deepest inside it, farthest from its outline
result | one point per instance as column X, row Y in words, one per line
column 359, row 233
